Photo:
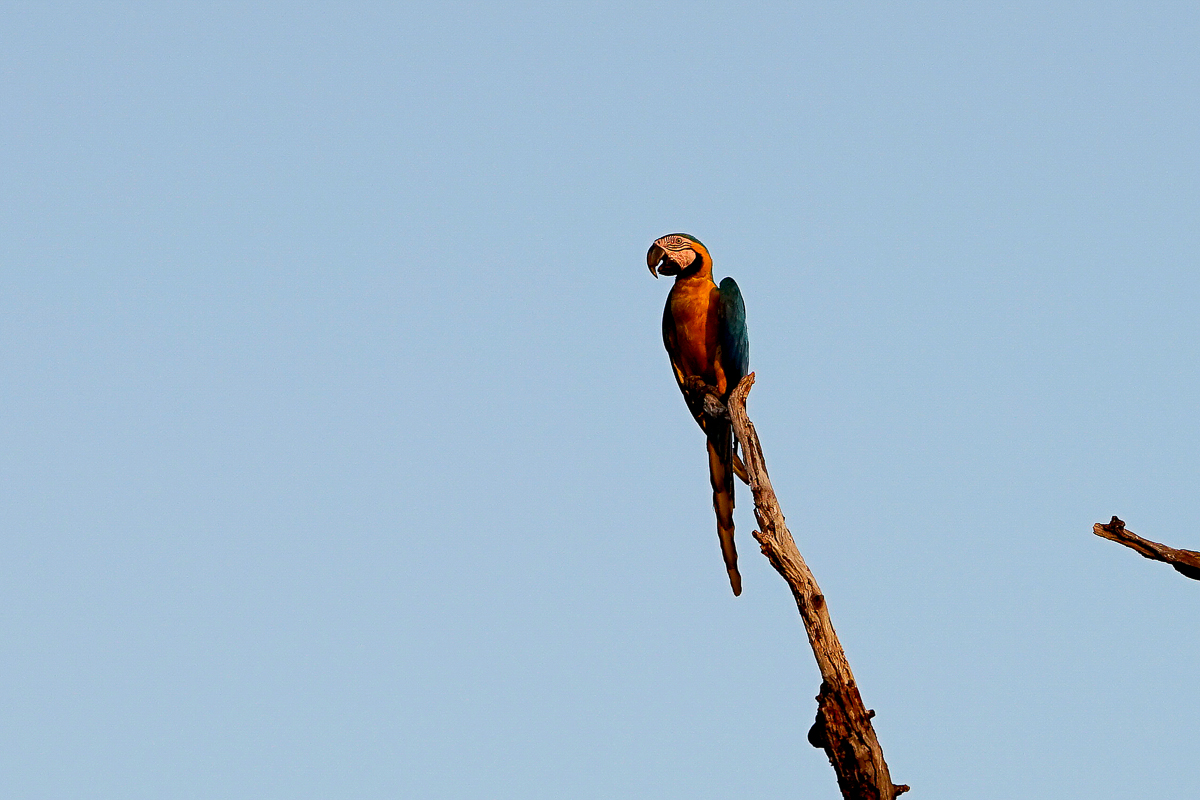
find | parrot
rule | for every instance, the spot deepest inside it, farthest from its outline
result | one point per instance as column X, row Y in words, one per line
column 704, row 331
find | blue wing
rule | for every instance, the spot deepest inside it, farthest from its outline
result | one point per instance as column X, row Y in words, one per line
column 731, row 333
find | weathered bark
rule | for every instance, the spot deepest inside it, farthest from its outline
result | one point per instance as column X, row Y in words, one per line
column 1185, row 562
column 843, row 726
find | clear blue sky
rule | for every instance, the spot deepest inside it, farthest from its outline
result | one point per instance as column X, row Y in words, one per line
column 340, row 458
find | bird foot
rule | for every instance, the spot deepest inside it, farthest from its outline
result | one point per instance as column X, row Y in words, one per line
column 706, row 395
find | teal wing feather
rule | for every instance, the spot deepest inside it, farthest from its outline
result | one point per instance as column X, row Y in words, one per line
column 732, row 334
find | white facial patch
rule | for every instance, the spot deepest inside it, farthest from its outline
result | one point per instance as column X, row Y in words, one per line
column 679, row 250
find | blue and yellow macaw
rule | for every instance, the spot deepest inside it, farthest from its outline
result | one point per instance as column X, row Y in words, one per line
column 704, row 330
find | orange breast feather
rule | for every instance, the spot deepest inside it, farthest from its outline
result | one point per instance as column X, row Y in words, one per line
column 694, row 309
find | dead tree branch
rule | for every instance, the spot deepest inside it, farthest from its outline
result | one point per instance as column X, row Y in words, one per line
column 1185, row 562
column 843, row 726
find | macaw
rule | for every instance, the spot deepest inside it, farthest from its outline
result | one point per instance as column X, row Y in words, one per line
column 704, row 331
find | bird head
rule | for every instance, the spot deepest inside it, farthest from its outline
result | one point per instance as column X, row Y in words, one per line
column 676, row 252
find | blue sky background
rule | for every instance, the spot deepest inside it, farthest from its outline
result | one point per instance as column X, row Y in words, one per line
column 339, row 455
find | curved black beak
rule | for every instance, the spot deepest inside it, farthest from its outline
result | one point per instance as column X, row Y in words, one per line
column 654, row 257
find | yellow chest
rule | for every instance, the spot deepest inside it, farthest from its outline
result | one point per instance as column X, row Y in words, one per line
column 693, row 308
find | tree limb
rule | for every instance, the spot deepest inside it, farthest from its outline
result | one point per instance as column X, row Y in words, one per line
column 1185, row 562
column 843, row 726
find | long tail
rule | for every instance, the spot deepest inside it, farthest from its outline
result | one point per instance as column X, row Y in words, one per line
column 720, row 474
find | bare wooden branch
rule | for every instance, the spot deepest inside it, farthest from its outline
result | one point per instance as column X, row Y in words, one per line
column 843, row 726
column 1185, row 562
